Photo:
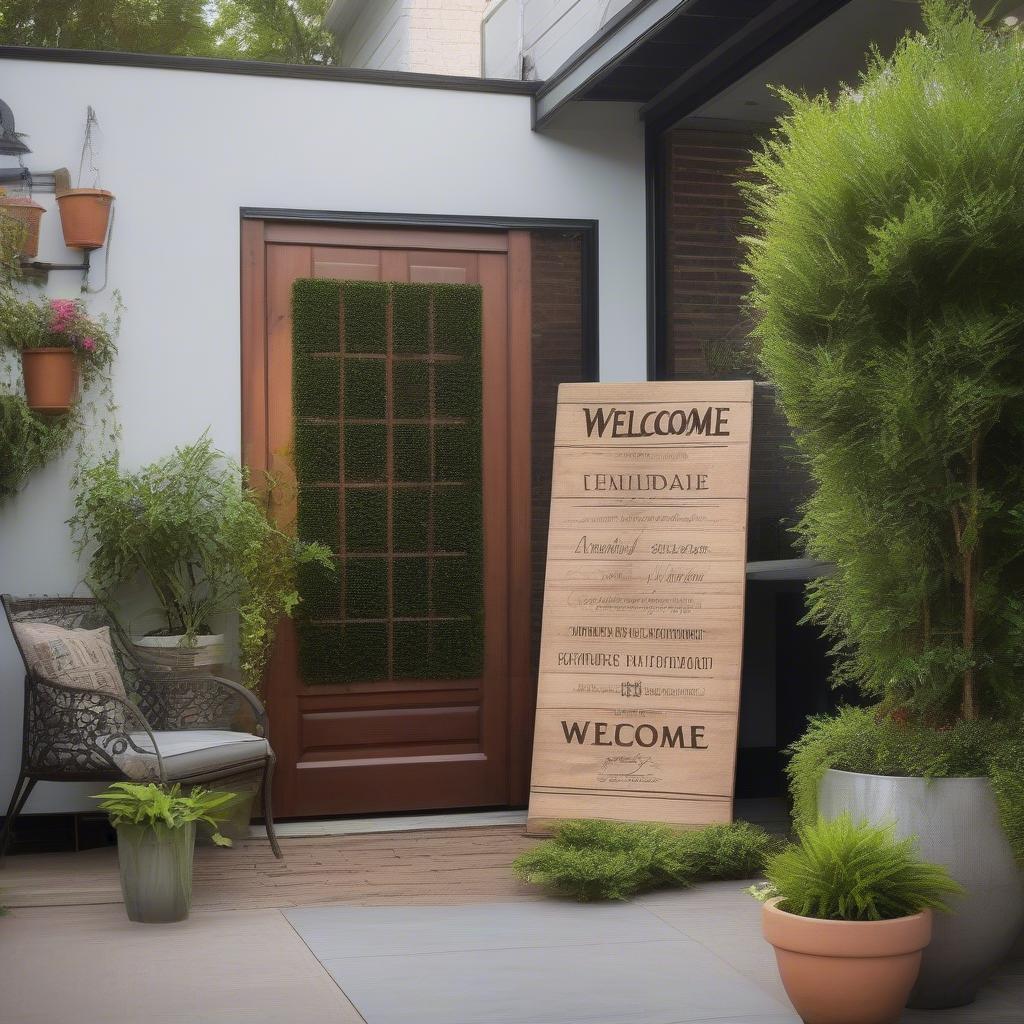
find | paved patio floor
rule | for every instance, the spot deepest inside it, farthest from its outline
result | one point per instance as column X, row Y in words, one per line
column 419, row 926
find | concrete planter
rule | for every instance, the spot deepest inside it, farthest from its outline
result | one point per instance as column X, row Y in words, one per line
column 207, row 655
column 156, row 871
column 957, row 825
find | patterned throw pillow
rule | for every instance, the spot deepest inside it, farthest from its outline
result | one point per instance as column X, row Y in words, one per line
column 74, row 657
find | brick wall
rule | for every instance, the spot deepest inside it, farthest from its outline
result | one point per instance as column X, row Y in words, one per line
column 706, row 326
column 557, row 357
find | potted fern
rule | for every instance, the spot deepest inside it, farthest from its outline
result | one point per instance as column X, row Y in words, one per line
column 848, row 910
column 156, row 835
column 887, row 289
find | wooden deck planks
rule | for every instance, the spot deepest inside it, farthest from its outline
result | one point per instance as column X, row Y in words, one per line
column 455, row 865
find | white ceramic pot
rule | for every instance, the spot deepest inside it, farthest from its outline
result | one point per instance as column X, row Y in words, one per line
column 208, row 652
column 956, row 822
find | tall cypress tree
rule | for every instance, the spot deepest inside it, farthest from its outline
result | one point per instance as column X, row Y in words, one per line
column 887, row 257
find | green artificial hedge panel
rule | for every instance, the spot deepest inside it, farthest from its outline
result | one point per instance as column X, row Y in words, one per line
column 366, row 519
column 411, row 450
column 411, row 330
column 458, row 320
column 366, row 452
column 316, row 452
column 353, row 652
column 366, row 588
column 316, row 318
column 318, row 518
column 365, row 389
column 366, row 307
column 411, row 397
column 411, row 577
column 315, row 387
column 410, row 513
column 397, row 610
column 320, row 590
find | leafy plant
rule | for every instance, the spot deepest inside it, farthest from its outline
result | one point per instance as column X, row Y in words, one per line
column 597, row 860
column 864, row 740
column 841, row 871
column 888, row 283
column 200, row 537
column 155, row 806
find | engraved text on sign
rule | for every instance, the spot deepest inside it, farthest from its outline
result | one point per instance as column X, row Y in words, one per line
column 638, row 696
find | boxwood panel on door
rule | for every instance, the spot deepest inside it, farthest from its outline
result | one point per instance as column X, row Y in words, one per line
column 386, row 381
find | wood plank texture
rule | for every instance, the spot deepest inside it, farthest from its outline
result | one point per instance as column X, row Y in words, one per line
column 465, row 865
column 638, row 696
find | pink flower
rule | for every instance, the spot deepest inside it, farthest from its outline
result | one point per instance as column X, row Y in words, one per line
column 88, row 344
column 62, row 314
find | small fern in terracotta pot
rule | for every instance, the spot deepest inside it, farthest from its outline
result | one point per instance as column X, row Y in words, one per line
column 56, row 339
column 849, row 910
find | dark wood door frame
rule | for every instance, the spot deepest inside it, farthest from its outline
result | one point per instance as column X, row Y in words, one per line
column 254, row 371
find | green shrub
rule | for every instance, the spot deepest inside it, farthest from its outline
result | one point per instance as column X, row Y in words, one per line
column 841, row 871
column 202, row 540
column 606, row 860
column 862, row 740
column 887, row 258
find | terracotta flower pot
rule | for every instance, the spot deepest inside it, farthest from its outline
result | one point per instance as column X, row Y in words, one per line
column 84, row 217
column 847, row 972
column 51, row 379
column 28, row 214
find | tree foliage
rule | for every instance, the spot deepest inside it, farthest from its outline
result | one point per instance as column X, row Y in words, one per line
column 886, row 256
column 288, row 31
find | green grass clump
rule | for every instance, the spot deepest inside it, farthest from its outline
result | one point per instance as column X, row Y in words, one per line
column 841, row 871
column 607, row 860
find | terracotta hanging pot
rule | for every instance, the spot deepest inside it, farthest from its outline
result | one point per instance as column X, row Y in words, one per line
column 85, row 216
column 27, row 213
column 51, row 379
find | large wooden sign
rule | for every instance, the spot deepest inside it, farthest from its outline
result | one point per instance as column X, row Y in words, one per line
column 638, row 697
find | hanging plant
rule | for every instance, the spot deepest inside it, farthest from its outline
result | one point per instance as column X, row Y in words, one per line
column 55, row 364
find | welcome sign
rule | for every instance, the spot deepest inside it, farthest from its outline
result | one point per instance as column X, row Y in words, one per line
column 638, row 696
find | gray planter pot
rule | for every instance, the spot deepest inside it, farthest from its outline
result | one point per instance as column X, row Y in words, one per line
column 156, row 871
column 957, row 825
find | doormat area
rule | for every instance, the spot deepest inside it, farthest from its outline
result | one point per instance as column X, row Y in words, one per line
column 387, row 397
column 551, row 962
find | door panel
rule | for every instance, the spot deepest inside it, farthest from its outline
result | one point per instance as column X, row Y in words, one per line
column 395, row 744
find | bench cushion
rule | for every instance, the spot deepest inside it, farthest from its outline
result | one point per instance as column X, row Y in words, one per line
column 188, row 753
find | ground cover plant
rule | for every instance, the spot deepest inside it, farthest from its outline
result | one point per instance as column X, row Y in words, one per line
column 606, row 860
column 840, row 870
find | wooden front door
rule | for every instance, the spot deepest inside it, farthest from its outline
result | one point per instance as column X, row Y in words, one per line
column 399, row 743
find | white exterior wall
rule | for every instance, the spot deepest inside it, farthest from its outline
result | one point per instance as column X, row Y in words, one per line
column 440, row 37
column 545, row 32
column 183, row 151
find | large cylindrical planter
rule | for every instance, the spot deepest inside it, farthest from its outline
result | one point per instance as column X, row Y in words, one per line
column 846, row 972
column 156, row 871
column 51, row 379
column 28, row 214
column 956, row 823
